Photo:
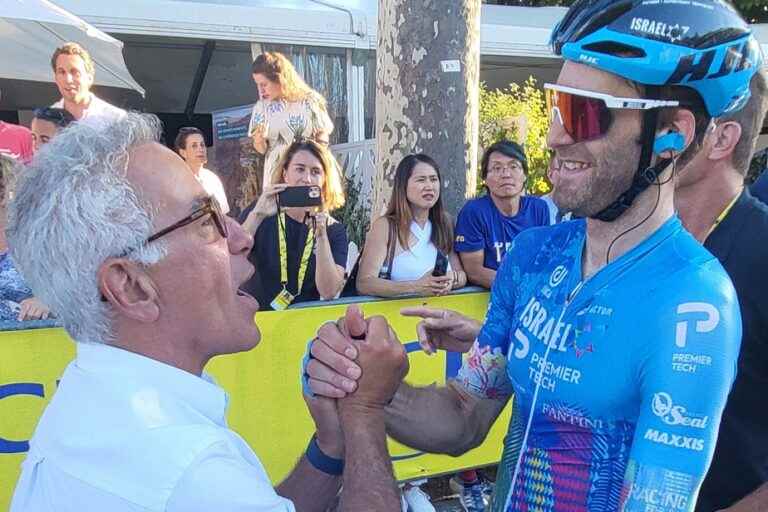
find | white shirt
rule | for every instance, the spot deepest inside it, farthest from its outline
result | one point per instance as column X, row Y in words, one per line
column 128, row 433
column 97, row 109
column 212, row 184
column 413, row 263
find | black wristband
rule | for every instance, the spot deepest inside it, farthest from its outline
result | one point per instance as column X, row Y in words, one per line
column 321, row 461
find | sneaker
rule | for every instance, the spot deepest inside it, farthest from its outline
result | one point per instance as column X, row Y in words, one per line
column 471, row 497
column 487, row 490
column 418, row 500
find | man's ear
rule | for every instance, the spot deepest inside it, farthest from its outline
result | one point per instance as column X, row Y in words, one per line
column 129, row 289
column 724, row 139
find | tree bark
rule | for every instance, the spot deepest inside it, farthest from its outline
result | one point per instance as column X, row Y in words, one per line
column 426, row 101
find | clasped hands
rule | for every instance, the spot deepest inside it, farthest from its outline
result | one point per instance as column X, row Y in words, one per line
column 356, row 364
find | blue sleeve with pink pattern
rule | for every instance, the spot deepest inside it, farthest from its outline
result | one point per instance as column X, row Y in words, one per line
column 484, row 369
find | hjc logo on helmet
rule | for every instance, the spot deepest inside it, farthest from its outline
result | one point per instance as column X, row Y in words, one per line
column 738, row 57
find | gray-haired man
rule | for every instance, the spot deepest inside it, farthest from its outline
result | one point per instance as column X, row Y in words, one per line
column 115, row 233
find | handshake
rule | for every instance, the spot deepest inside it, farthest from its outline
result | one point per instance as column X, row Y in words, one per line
column 354, row 368
column 356, row 365
column 359, row 362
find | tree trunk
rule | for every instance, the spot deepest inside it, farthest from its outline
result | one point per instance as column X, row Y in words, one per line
column 427, row 93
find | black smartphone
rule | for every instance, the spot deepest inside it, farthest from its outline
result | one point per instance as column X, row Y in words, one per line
column 441, row 265
column 300, row 196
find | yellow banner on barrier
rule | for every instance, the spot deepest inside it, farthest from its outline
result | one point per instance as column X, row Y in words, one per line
column 266, row 407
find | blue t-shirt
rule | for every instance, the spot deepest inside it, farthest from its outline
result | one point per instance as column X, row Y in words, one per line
column 482, row 226
column 634, row 366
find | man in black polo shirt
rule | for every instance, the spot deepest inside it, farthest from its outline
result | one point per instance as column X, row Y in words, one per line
column 759, row 188
column 721, row 213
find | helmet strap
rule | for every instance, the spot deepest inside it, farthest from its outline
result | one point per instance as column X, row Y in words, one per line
column 646, row 174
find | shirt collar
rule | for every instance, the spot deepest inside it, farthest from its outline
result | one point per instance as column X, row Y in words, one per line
column 200, row 393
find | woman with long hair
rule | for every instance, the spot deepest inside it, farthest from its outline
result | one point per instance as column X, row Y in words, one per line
column 300, row 252
column 288, row 109
column 410, row 249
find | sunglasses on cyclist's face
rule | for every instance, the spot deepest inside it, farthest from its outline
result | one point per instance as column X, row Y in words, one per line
column 586, row 115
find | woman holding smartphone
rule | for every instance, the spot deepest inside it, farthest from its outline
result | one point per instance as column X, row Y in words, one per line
column 299, row 252
column 288, row 109
column 410, row 249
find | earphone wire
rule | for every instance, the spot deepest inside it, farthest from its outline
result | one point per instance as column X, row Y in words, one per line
column 658, row 184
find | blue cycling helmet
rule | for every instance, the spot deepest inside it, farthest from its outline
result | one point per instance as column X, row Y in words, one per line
column 701, row 44
column 704, row 45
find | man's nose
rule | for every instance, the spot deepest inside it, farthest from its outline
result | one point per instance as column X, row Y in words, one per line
column 239, row 241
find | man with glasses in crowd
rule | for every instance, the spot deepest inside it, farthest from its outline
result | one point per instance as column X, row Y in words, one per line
column 617, row 333
column 487, row 225
column 112, row 230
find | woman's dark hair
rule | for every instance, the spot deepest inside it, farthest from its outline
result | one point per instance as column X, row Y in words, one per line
column 183, row 135
column 399, row 209
column 58, row 116
column 506, row 148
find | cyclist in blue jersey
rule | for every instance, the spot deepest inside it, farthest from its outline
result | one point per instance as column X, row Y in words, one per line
column 617, row 334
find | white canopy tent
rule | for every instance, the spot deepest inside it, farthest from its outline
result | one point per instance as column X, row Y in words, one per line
column 31, row 29
column 165, row 39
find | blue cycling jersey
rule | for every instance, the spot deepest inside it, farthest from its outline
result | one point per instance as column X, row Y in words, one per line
column 623, row 376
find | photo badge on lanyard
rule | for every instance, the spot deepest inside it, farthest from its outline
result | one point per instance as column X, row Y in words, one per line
column 282, row 300
column 285, row 298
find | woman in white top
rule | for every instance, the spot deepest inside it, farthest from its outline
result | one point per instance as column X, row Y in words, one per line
column 288, row 109
column 413, row 240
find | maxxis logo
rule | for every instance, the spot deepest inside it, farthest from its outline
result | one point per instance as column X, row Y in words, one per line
column 557, row 276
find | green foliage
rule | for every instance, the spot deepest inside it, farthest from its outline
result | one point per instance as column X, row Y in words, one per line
column 504, row 114
column 354, row 215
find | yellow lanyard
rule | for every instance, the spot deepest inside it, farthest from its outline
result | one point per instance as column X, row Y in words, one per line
column 281, row 229
column 722, row 215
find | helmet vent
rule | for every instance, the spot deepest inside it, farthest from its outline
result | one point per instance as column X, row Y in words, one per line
column 615, row 49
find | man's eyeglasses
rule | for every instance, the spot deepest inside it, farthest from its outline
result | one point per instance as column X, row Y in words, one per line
column 586, row 115
column 513, row 167
column 209, row 206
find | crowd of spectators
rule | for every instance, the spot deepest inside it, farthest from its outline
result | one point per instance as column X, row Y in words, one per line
column 300, row 250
